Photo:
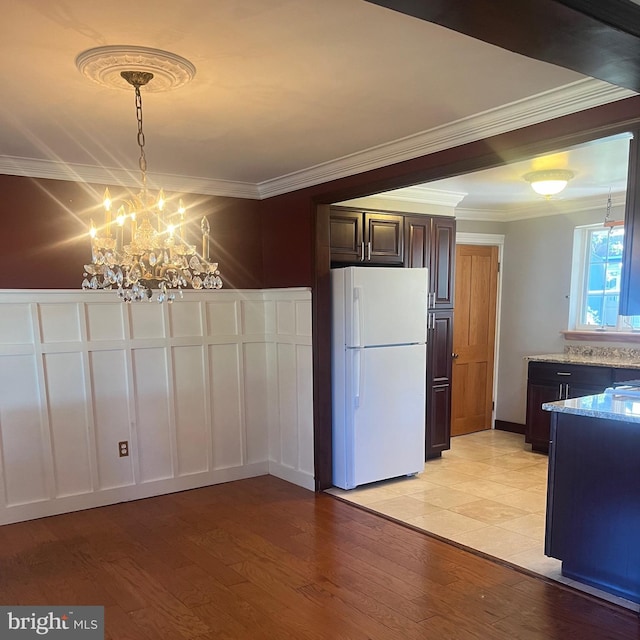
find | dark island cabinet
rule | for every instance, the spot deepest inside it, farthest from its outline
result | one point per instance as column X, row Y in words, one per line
column 366, row 238
column 550, row 381
column 593, row 501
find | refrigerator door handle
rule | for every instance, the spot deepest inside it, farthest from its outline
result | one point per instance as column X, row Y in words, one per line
column 358, row 319
column 357, row 375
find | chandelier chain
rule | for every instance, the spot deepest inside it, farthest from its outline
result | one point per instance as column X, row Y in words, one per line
column 143, row 158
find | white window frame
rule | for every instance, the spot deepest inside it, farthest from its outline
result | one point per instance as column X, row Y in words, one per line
column 579, row 264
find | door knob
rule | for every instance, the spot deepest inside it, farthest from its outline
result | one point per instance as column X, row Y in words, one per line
column 454, row 355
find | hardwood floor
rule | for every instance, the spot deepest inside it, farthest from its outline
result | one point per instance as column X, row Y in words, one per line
column 263, row 559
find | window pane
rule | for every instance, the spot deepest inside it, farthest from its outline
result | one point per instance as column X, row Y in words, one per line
column 593, row 310
column 602, row 277
column 596, row 278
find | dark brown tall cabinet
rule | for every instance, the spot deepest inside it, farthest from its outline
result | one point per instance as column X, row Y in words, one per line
column 430, row 242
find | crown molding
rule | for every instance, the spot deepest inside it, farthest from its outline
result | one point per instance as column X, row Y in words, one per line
column 33, row 168
column 543, row 208
column 425, row 195
column 577, row 96
column 562, row 101
column 479, row 238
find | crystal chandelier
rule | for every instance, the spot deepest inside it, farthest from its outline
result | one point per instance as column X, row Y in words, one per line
column 141, row 247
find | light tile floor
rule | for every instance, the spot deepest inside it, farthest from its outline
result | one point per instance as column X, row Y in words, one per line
column 488, row 492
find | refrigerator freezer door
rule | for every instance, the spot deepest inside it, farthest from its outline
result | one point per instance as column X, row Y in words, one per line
column 385, row 306
column 386, row 388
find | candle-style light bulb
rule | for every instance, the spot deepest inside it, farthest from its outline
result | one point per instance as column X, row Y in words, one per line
column 107, row 203
column 93, row 232
column 161, row 200
column 205, row 228
column 121, row 217
column 181, row 212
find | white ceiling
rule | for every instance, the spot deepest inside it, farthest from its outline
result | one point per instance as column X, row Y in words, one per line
column 502, row 193
column 286, row 93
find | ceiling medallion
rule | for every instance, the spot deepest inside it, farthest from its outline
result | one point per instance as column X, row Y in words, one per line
column 104, row 65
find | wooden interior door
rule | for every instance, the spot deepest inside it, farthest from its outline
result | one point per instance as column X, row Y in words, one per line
column 474, row 338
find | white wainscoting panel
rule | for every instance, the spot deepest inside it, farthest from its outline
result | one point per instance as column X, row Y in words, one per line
column 227, row 402
column 111, row 417
column 191, row 415
column 68, row 405
column 215, row 387
column 25, row 459
column 152, row 423
column 290, row 387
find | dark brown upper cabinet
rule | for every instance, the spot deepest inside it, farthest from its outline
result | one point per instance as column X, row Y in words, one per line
column 366, row 237
column 430, row 242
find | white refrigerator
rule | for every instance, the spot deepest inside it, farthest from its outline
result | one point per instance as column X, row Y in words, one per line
column 379, row 331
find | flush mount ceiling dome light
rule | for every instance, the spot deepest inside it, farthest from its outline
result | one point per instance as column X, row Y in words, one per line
column 549, row 182
column 141, row 245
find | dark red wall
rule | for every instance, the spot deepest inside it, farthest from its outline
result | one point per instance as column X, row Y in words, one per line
column 44, row 241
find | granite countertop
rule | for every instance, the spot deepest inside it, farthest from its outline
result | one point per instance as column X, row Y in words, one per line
column 616, row 357
column 610, row 406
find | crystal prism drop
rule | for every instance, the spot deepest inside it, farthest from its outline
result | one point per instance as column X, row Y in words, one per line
column 194, row 263
column 197, row 283
column 85, row 284
column 152, row 259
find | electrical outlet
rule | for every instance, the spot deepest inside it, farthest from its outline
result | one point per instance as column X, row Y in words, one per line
column 123, row 448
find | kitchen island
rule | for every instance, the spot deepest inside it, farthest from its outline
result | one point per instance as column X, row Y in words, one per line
column 593, row 494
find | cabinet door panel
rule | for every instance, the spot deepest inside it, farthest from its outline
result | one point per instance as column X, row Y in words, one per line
column 538, row 421
column 346, row 236
column 443, row 247
column 440, row 346
column 417, row 242
column 384, row 238
column 439, row 365
column 439, row 420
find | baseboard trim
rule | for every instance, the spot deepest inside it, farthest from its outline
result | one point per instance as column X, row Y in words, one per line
column 294, row 476
column 511, row 427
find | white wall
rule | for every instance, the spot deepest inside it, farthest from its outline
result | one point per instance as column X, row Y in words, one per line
column 536, row 280
column 213, row 388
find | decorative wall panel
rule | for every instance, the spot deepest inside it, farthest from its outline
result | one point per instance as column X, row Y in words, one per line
column 26, row 453
column 213, row 388
column 68, row 424
column 111, row 417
